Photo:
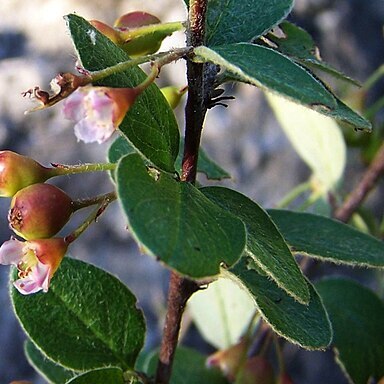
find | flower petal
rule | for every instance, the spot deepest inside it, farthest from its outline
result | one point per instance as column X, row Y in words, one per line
column 37, row 280
column 91, row 131
column 11, row 252
column 74, row 108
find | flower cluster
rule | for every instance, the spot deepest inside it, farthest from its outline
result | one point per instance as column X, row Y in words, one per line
column 37, row 212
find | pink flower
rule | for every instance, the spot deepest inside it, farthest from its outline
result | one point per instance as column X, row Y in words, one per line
column 36, row 260
column 98, row 111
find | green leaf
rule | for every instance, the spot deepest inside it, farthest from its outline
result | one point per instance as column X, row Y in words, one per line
column 270, row 70
column 265, row 245
column 112, row 375
column 232, row 21
column 316, row 138
column 298, row 44
column 88, row 319
column 150, row 125
column 188, row 368
column 356, row 315
column 222, row 312
column 346, row 115
column 51, row 371
column 305, row 325
column 328, row 239
column 204, row 165
column 120, row 148
column 175, row 222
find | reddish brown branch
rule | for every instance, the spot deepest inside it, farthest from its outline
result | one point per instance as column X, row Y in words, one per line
column 368, row 181
column 181, row 289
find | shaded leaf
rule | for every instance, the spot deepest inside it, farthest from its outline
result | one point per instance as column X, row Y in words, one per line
column 188, row 368
column 221, row 312
column 150, row 125
column 270, row 70
column 328, row 239
column 175, row 222
column 298, row 44
column 112, row 375
column 265, row 245
column 305, row 325
column 316, row 138
column 231, row 21
column 51, row 371
column 356, row 314
column 87, row 319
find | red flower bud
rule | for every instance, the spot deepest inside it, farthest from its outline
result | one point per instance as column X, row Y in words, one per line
column 284, row 378
column 39, row 211
column 256, row 369
column 230, row 360
column 17, row 172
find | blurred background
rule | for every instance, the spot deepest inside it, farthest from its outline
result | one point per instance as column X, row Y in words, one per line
column 244, row 139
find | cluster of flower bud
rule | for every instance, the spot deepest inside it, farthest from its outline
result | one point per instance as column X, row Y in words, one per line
column 238, row 367
column 38, row 211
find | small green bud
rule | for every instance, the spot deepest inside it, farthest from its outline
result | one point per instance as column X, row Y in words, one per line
column 17, row 172
column 173, row 95
column 39, row 211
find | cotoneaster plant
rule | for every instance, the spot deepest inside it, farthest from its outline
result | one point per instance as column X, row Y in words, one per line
column 239, row 267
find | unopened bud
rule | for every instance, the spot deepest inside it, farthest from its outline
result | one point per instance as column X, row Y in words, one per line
column 256, row 369
column 173, row 95
column 134, row 41
column 17, row 172
column 284, row 378
column 229, row 360
column 39, row 211
column 106, row 30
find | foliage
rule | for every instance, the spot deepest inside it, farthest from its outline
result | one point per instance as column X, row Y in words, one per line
column 87, row 327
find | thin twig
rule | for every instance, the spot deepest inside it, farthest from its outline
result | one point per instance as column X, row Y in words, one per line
column 367, row 183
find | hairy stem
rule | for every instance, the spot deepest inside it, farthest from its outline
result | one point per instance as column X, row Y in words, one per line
column 366, row 184
column 180, row 288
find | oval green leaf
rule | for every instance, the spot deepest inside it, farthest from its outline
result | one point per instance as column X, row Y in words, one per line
column 175, row 222
column 270, row 70
column 88, row 318
column 328, row 239
column 232, row 21
column 110, row 375
column 305, row 325
column 265, row 245
column 357, row 316
column 150, row 125
column 47, row 368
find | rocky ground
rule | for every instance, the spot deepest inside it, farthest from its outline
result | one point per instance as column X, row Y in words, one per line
column 245, row 139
